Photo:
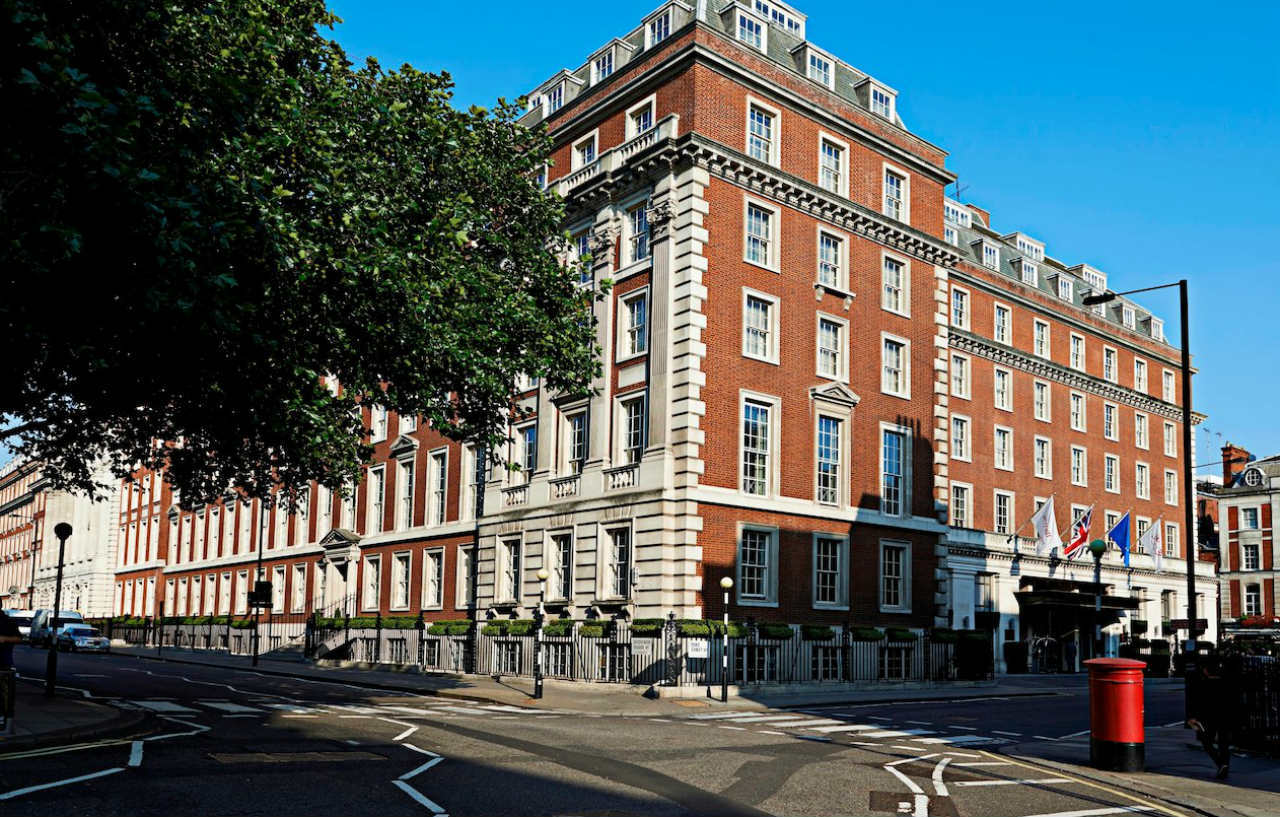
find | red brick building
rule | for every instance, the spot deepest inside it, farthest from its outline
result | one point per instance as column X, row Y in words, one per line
column 824, row 379
column 1247, row 506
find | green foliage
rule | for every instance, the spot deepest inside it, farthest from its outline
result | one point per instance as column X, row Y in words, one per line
column 592, row 629
column 205, row 208
column 558, row 627
column 944, row 635
column 775, row 630
column 899, row 634
column 737, row 629
column 242, row 624
column 450, row 627
column 866, row 634
column 816, row 632
column 647, row 627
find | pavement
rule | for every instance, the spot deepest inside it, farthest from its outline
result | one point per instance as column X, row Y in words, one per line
column 223, row 739
column 40, row 720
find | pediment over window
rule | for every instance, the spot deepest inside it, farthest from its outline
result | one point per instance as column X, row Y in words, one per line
column 837, row 393
column 340, row 545
column 403, row 446
column 174, row 511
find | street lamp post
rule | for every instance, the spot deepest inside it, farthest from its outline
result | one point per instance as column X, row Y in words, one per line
column 1188, row 478
column 1097, row 547
column 537, row 623
column 63, row 531
column 725, row 584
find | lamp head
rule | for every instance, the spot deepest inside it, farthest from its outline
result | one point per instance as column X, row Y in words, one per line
column 62, row 530
column 1097, row 547
column 542, row 574
column 1094, row 300
column 726, row 583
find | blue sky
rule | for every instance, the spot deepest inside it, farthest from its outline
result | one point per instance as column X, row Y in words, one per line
column 1140, row 138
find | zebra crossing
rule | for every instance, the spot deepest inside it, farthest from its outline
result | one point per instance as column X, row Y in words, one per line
column 805, row 725
column 220, row 707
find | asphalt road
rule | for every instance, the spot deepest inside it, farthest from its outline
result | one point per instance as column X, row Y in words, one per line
column 231, row 742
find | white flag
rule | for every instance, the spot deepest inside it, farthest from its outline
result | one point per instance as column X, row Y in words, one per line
column 1046, row 525
column 1151, row 543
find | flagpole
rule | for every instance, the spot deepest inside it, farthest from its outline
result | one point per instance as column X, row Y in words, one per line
column 1018, row 530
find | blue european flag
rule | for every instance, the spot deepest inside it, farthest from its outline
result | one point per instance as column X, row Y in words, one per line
column 1119, row 534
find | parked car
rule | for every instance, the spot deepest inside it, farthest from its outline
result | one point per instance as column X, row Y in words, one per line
column 46, row 623
column 23, row 617
column 82, row 638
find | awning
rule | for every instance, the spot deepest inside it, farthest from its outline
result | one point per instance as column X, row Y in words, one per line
column 1077, row 601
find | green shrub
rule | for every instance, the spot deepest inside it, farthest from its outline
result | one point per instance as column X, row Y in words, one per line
column 816, row 632
column 899, row 634
column 978, row 636
column 242, row 624
column 693, row 627
column 866, row 634
column 737, row 629
column 558, row 627
column 592, row 629
column 647, row 627
column 459, row 626
column 495, row 627
column 775, row 630
column 944, row 635
column 520, row 626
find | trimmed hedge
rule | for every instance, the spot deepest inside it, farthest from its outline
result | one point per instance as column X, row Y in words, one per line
column 505, row 626
column 559, row 627
column 944, row 635
column 866, row 634
column 775, row 630
column 899, row 634
column 367, row 622
column 816, row 632
column 459, row 626
column 647, row 627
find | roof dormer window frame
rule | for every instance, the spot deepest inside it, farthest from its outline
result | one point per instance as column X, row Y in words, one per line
column 1028, row 272
column 1065, row 287
column 964, row 218
column 659, row 25
column 1026, row 245
column 987, row 249
column 808, row 52
column 743, row 21
column 890, row 106
column 1157, row 328
column 1128, row 316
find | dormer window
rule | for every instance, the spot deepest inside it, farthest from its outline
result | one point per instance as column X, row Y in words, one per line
column 1065, row 288
column 659, row 29
column 820, row 70
column 751, row 31
column 881, row 102
column 555, row 98
column 990, row 255
column 956, row 213
column 602, row 66
column 781, row 16
column 1157, row 328
column 951, row 235
column 1030, row 273
column 1026, row 245
column 1128, row 317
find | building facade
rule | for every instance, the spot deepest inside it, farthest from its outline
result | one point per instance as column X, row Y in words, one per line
column 29, row 509
column 1248, row 502
column 823, row 379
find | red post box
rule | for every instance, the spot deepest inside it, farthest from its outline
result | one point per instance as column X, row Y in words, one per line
column 1116, row 741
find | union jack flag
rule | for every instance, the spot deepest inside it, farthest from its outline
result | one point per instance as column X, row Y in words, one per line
column 1079, row 534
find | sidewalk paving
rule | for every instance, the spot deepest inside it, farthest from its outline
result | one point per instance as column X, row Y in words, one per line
column 611, row 699
column 40, row 721
column 1178, row 772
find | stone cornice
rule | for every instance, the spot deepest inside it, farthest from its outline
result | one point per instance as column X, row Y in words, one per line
column 1047, row 369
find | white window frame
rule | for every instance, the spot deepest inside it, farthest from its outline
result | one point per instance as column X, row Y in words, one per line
column 1114, row 411
column 772, row 354
column 626, row 350
column 773, row 245
column 1066, row 288
column 1036, row 326
column 999, row 463
column 989, row 255
column 1083, row 418
column 842, row 265
column 842, row 338
column 772, row 464
column 628, row 258
column 437, row 508
column 769, row 598
column 401, row 559
column 963, row 451
column 968, row 520
column 1141, row 431
column 775, row 130
column 298, row 595
column 551, row 558
column 1170, row 439
column 1170, row 482
column 370, row 505
column 844, row 453
column 1078, row 362
column 464, row 567
column 607, row 572
column 1168, row 385
column 906, row 365
column 995, row 511
column 842, row 169
column 1029, row 273
column 1111, row 474
column 740, row 21
column 576, row 159
column 1007, row 403
column 509, row 583
column 1139, row 374
column 623, row 430
column 403, row 515
column 378, row 423
column 1251, row 600
column 367, row 564
column 890, row 97
column 428, row 554
column 961, row 307
column 904, row 307
column 961, row 375
column 608, row 54
column 650, row 102
column 841, row 601
column 1139, row 490
column 1046, row 415
column 1081, row 479
column 905, row 489
column 1128, row 316
column 1047, row 471
column 996, row 334
column 904, row 605
column 1110, row 353
column 658, row 26
column 905, row 215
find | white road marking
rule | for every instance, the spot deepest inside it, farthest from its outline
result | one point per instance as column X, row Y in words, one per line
column 165, row 706
column 406, row 733
column 863, row 743
column 815, row 722
column 737, row 728
column 1097, row 812
column 9, row 795
column 1028, row 782
column 363, row 710
column 986, row 763
column 766, row 718
column 878, row 718
column 419, row 796
column 419, row 749
column 771, row 732
column 717, row 715
column 921, row 723
column 227, row 706
column 135, row 753
column 409, row 709
column 938, row 785
column 1075, row 734
column 464, row 710
column 960, row 754
column 245, row 715
column 965, row 728
column 294, row 708
column 916, row 749
column 1043, row 737
column 847, row 727
column 1011, row 734
column 351, row 742
column 897, row 733
column 415, row 772
column 961, row 740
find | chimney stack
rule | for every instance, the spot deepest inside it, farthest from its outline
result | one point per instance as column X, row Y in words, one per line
column 1234, row 459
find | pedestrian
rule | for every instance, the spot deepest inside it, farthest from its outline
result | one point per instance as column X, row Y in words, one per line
column 1212, row 712
column 9, row 636
column 1071, row 654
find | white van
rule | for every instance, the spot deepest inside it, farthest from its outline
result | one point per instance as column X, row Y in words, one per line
column 45, row 624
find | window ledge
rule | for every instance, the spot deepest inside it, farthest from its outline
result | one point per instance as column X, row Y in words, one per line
column 755, row 603
column 828, row 289
column 632, row 268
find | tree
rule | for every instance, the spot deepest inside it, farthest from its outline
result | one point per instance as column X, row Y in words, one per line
column 206, row 209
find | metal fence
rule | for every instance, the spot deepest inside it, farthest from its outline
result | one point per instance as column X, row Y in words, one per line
column 279, row 634
column 667, row 658
column 1259, row 708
